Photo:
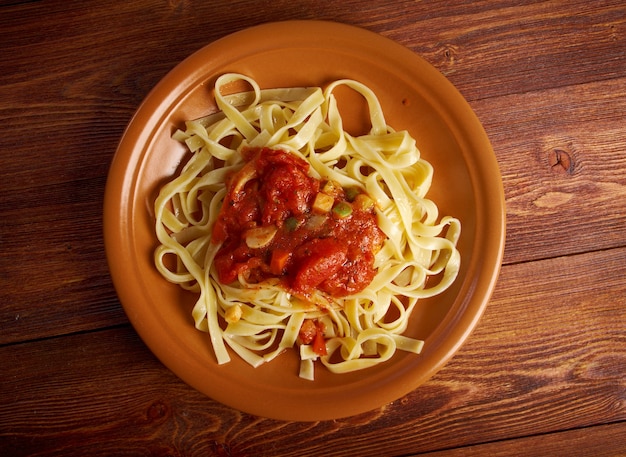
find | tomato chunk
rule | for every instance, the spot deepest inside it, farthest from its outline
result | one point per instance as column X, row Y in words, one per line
column 272, row 225
column 312, row 331
column 319, row 343
column 288, row 191
column 321, row 258
column 307, row 332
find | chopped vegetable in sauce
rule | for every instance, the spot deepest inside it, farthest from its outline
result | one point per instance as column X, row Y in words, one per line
column 278, row 222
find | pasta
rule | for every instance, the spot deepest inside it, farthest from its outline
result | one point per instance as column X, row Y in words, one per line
column 260, row 319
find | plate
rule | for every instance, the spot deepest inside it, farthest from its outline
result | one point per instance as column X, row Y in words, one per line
column 414, row 96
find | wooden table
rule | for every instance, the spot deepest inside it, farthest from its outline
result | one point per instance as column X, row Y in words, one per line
column 543, row 374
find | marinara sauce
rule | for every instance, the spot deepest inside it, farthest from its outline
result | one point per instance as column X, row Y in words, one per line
column 276, row 221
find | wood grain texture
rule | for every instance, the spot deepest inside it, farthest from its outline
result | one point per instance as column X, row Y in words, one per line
column 561, row 157
column 528, row 369
column 544, row 372
column 80, row 107
column 599, row 441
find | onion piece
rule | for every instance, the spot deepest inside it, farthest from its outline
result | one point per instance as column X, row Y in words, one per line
column 259, row 237
column 315, row 222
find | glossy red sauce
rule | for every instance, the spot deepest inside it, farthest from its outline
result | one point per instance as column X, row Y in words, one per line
column 329, row 251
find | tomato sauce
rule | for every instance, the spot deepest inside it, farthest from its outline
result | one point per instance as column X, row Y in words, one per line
column 278, row 222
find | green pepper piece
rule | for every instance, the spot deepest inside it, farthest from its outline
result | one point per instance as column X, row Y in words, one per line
column 291, row 223
column 342, row 209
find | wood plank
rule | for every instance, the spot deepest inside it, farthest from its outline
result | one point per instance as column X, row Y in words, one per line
column 543, row 221
column 529, row 369
column 79, row 117
column 469, row 42
column 55, row 277
column 600, row 441
column 543, row 372
column 561, row 158
column 492, row 49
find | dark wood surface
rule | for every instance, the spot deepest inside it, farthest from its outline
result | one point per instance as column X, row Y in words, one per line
column 544, row 373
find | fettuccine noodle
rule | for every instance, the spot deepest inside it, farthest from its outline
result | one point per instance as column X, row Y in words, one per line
column 260, row 321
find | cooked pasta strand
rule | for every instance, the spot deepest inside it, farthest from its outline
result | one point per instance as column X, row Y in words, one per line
column 384, row 163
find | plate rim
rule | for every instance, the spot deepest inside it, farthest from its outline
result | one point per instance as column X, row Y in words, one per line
column 116, row 189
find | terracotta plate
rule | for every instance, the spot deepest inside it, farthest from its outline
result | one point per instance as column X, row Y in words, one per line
column 415, row 97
